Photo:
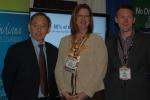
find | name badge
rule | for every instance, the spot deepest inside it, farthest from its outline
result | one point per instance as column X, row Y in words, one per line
column 71, row 63
column 124, row 73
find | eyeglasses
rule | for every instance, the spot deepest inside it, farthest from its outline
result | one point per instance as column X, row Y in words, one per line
column 39, row 26
column 83, row 16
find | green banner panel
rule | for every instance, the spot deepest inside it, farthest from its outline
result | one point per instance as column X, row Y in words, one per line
column 142, row 9
column 15, row 5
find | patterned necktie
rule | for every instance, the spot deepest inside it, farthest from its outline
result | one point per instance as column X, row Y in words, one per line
column 43, row 73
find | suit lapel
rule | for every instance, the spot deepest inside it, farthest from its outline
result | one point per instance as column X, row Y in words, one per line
column 134, row 49
column 48, row 60
column 32, row 54
column 132, row 52
column 116, row 53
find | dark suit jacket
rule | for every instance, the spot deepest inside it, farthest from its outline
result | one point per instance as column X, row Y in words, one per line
column 21, row 71
column 138, row 88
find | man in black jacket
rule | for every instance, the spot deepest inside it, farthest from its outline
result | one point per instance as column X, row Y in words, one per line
column 21, row 74
column 128, row 74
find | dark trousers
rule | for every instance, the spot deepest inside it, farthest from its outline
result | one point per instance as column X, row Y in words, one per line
column 46, row 98
column 49, row 98
column 97, row 96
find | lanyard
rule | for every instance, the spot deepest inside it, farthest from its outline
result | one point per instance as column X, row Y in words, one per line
column 76, row 52
column 77, row 47
column 124, row 52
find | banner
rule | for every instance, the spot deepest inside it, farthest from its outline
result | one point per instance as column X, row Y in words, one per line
column 142, row 9
column 13, row 28
column 14, row 5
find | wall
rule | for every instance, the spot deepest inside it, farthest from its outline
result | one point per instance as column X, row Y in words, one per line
column 98, row 6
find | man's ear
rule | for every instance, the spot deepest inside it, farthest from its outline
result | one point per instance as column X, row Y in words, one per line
column 49, row 29
column 116, row 20
column 134, row 20
column 29, row 27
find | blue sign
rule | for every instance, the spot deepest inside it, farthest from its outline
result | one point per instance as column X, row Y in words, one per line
column 13, row 28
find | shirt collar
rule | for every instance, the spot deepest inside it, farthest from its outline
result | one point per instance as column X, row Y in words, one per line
column 129, row 37
column 36, row 43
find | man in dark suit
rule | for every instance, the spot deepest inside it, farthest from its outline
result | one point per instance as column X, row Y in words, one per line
column 21, row 74
column 128, row 74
